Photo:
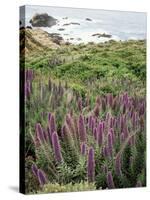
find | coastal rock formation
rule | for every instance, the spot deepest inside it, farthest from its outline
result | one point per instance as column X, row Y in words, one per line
column 61, row 29
column 33, row 40
column 43, row 20
column 71, row 23
column 88, row 19
column 102, row 35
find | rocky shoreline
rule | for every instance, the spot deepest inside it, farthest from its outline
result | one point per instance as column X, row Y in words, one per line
column 44, row 20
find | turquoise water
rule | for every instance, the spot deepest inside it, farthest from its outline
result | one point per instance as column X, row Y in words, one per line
column 121, row 25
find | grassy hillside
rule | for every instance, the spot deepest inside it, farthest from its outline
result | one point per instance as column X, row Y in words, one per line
column 110, row 66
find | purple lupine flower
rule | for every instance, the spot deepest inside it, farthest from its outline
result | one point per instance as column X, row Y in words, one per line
column 34, row 170
column 111, row 122
column 91, row 165
column 110, row 181
column 83, row 148
column 80, row 104
column 49, row 135
column 81, row 128
column 118, row 165
column 63, row 131
column 56, row 147
column 29, row 74
column 39, row 132
column 52, row 124
column 110, row 143
column 27, row 89
column 95, row 133
column 42, row 177
column 113, row 135
column 105, row 151
column 138, row 184
column 100, row 133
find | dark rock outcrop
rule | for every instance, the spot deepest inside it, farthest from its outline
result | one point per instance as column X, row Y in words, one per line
column 29, row 27
column 102, row 35
column 61, row 29
column 71, row 23
column 56, row 38
column 88, row 19
column 43, row 20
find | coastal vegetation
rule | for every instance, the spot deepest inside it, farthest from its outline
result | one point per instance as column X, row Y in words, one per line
column 85, row 112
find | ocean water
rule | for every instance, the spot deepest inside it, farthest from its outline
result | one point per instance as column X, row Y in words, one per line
column 122, row 25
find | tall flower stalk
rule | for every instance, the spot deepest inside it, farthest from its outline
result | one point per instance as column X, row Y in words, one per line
column 91, row 165
column 56, row 147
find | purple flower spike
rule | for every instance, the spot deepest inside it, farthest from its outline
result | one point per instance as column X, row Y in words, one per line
column 81, row 127
column 105, row 151
column 52, row 124
column 49, row 135
column 95, row 133
column 83, row 148
column 118, row 165
column 113, row 135
column 110, row 181
column 110, row 143
column 56, row 147
column 64, row 131
column 39, row 132
column 42, row 177
column 100, row 133
column 91, row 165
column 27, row 89
column 111, row 122
column 34, row 170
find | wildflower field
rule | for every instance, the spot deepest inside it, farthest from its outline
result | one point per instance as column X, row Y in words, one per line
column 85, row 117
